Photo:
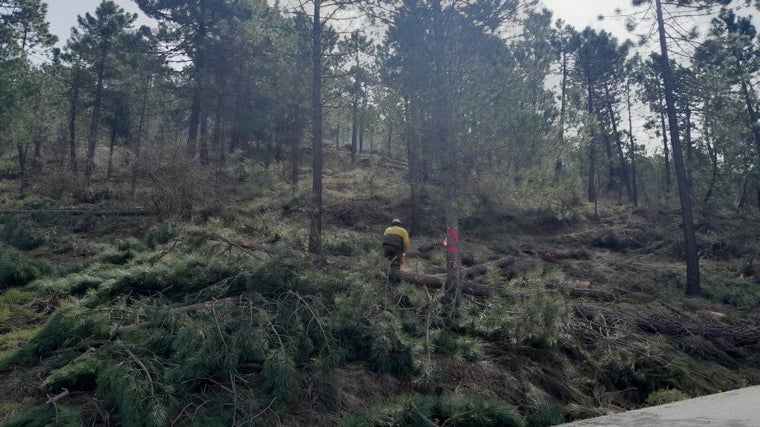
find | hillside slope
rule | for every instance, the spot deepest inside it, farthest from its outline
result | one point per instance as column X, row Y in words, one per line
column 225, row 319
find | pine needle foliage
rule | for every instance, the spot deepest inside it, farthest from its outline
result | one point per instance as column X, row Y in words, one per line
column 202, row 350
column 19, row 235
column 18, row 270
column 160, row 234
column 280, row 377
column 45, row 416
column 547, row 415
column 461, row 411
column 67, row 327
column 175, row 277
column 80, row 374
column 139, row 397
column 274, row 278
column 390, row 355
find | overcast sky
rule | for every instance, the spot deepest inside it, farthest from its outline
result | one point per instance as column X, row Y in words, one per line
column 62, row 14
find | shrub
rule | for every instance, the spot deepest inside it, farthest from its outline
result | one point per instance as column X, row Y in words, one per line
column 390, row 355
column 547, row 415
column 159, row 235
column 661, row 397
column 738, row 292
column 477, row 412
column 18, row 270
column 18, row 235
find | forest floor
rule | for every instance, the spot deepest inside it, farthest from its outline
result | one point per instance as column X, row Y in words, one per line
column 584, row 313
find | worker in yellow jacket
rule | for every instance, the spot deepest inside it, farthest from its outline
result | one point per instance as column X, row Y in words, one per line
column 395, row 243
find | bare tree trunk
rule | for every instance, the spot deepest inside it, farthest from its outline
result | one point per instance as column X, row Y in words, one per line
column 140, row 135
column 619, row 146
column 21, row 163
column 203, row 147
column 632, row 145
column 665, row 148
column 355, row 120
column 362, row 124
column 195, row 114
column 388, row 140
column 592, row 147
column 684, row 188
column 73, row 119
column 753, row 123
column 217, row 141
column 111, row 144
column 94, row 123
column 315, row 230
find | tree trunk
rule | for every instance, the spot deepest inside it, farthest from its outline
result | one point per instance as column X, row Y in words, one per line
column 712, row 154
column 415, row 176
column 591, row 147
column 140, row 135
column 111, row 144
column 362, row 124
column 21, row 163
column 619, row 146
column 632, row 146
column 203, row 146
column 684, row 190
column 94, row 122
column 217, row 139
column 195, row 114
column 73, row 120
column 388, row 140
column 753, row 123
column 665, row 149
column 355, row 120
column 315, row 230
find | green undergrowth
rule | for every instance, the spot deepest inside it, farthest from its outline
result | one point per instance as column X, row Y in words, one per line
column 186, row 325
column 18, row 269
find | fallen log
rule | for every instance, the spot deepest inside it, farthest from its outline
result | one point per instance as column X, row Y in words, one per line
column 436, row 282
column 738, row 335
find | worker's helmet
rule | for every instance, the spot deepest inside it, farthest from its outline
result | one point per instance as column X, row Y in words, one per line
column 396, row 221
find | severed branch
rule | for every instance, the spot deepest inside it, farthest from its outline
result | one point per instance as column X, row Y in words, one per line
column 57, row 397
column 116, row 330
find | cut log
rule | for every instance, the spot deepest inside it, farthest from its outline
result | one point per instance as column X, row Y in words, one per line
column 435, row 282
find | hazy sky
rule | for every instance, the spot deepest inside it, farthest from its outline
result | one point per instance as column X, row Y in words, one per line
column 62, row 14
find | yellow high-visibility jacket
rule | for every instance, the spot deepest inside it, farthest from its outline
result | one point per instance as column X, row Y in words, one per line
column 398, row 231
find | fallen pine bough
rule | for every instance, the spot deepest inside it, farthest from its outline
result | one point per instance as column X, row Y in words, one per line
column 737, row 335
column 116, row 330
